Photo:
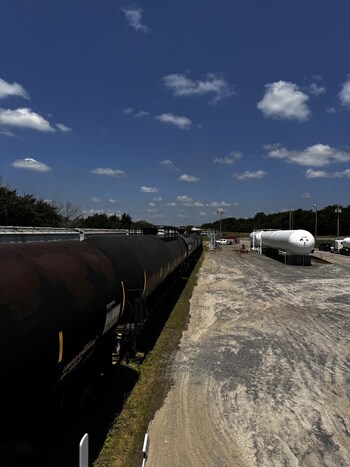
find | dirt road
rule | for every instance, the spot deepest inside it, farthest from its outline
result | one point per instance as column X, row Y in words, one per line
column 262, row 376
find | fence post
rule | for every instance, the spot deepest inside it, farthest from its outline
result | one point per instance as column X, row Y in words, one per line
column 84, row 451
column 145, row 449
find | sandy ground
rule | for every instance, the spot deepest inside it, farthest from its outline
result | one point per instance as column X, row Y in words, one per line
column 262, row 376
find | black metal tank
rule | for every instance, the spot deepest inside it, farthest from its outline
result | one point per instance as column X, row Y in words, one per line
column 54, row 299
column 191, row 243
column 60, row 302
column 142, row 261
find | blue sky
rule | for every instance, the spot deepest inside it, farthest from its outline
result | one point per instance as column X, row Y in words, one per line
column 175, row 111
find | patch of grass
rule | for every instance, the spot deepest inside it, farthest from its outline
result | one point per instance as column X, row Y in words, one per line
column 235, row 234
column 123, row 445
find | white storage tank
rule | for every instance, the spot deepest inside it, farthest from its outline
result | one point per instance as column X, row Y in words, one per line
column 254, row 238
column 346, row 242
column 293, row 242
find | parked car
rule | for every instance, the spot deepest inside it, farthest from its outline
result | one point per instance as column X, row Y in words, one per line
column 224, row 241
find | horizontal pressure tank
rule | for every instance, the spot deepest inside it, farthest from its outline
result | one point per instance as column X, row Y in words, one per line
column 346, row 242
column 293, row 242
column 254, row 238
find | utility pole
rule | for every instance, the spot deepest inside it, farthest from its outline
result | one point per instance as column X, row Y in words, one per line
column 220, row 214
column 338, row 211
column 315, row 206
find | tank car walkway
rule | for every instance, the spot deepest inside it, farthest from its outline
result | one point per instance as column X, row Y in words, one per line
column 263, row 371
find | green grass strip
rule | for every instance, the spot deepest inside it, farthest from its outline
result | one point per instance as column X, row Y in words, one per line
column 123, row 444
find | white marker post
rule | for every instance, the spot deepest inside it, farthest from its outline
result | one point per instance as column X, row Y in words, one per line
column 145, row 449
column 84, row 451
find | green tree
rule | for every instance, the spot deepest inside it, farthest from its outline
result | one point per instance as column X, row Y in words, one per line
column 26, row 210
column 302, row 219
column 96, row 221
column 125, row 221
column 68, row 211
column 141, row 224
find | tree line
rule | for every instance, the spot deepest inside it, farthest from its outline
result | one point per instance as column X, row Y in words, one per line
column 26, row 210
column 327, row 221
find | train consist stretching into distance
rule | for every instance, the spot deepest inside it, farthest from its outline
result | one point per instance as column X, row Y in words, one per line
column 68, row 305
column 289, row 246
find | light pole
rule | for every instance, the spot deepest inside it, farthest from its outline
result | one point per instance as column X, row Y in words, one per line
column 220, row 214
column 338, row 211
column 290, row 219
column 315, row 206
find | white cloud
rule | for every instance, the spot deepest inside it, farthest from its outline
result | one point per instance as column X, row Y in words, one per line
column 181, row 85
column 158, row 199
column 108, row 212
column 228, row 160
column 184, row 199
column 188, row 202
column 7, row 132
column 182, row 122
column 331, row 110
column 202, row 213
column 141, row 114
column 168, row 164
column 306, row 195
column 91, row 212
column 310, row 173
column 15, row 89
column 108, row 171
column 31, row 164
column 63, row 128
column 134, row 17
column 151, row 204
column 283, row 100
column 343, row 173
column 218, row 204
column 149, row 189
column 24, row 118
column 136, row 113
column 344, row 94
column 317, row 155
column 111, row 200
column 248, row 175
column 188, row 178
column 95, row 199
column 316, row 90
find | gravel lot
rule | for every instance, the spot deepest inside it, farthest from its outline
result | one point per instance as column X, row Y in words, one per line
column 262, row 375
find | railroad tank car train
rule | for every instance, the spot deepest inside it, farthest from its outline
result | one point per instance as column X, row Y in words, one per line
column 62, row 302
column 291, row 246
